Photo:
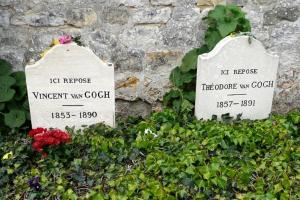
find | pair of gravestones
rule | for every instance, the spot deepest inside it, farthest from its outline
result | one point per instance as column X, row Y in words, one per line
column 72, row 86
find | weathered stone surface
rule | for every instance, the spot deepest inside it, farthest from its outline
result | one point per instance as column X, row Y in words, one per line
column 41, row 19
column 163, row 2
column 189, row 23
column 272, row 17
column 134, row 3
column 115, row 15
column 142, row 37
column 265, row 2
column 134, row 108
column 132, row 60
column 7, row 2
column 208, row 3
column 148, row 48
column 4, row 18
column 14, row 54
column 281, row 38
column 128, row 86
column 237, row 2
column 155, row 85
column 81, row 17
column 152, row 16
column 157, row 59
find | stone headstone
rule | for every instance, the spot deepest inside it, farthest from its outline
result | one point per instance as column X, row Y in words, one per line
column 70, row 86
column 237, row 77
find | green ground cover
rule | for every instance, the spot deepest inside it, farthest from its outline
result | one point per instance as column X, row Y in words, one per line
column 161, row 157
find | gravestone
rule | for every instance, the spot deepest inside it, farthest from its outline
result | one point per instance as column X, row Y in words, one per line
column 70, row 86
column 237, row 77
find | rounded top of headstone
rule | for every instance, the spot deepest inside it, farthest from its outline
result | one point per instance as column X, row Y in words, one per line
column 67, row 52
column 237, row 42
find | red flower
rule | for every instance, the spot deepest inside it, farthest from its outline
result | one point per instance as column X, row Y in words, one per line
column 38, row 137
column 43, row 137
column 51, row 141
column 33, row 132
column 37, row 146
column 44, row 155
column 60, row 135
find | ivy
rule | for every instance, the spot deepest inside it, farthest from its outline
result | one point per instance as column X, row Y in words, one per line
column 14, row 108
column 159, row 158
column 222, row 21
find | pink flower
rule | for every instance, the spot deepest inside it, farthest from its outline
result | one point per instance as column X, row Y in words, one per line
column 65, row 39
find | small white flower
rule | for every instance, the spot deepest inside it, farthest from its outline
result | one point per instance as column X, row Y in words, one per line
column 149, row 131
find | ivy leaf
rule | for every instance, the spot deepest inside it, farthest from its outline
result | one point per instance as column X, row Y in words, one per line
column 189, row 61
column 27, row 114
column 202, row 50
column 243, row 25
column 20, row 88
column 179, row 78
column 191, row 95
column 5, row 67
column 177, row 105
column 173, row 94
column 13, row 105
column 277, row 188
column 8, row 156
column 7, row 81
column 15, row 118
column 26, row 104
column 226, row 28
column 6, row 93
column 2, row 106
column 21, row 91
column 285, row 196
column 235, row 11
column 186, row 106
column 294, row 117
column 206, row 175
column 217, row 13
column 188, row 77
column 188, row 182
column 20, row 78
column 212, row 37
column 222, row 182
column 175, row 77
column 245, row 177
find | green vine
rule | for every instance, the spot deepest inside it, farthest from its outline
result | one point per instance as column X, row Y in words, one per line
column 14, row 107
column 222, row 21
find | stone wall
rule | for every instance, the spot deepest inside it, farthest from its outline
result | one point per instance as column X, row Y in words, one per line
column 146, row 39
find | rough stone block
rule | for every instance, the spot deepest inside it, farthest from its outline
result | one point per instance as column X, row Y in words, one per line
column 81, row 17
column 4, row 18
column 143, row 37
column 115, row 15
column 42, row 19
column 209, row 3
column 163, row 2
column 152, row 16
column 134, row 3
column 276, row 15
